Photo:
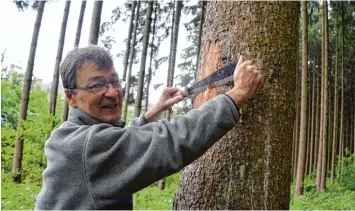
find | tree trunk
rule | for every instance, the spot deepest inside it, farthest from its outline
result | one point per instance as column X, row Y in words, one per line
column 173, row 49
column 200, row 32
column 335, row 125
column 25, row 96
column 54, row 89
column 129, row 38
column 317, row 130
column 249, row 168
column 95, row 22
column 76, row 44
column 138, row 103
column 310, row 167
column 131, row 57
column 304, row 87
column 324, row 126
column 149, row 78
column 296, row 130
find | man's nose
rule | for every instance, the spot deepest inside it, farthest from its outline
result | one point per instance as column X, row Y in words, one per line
column 111, row 91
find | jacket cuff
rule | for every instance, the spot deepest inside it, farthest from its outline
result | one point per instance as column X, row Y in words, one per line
column 236, row 106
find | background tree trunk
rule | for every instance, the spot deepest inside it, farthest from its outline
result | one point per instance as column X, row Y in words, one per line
column 76, row 44
column 138, row 103
column 249, row 168
column 149, row 78
column 129, row 38
column 131, row 57
column 173, row 49
column 313, row 116
column 54, row 89
column 25, row 96
column 95, row 22
column 200, row 32
column 304, row 87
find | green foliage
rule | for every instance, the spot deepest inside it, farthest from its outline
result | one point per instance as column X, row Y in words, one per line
column 36, row 130
column 152, row 198
column 346, row 167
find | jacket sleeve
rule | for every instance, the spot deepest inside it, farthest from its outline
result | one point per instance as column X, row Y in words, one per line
column 119, row 162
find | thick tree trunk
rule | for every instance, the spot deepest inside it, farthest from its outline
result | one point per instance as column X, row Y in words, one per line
column 131, row 57
column 25, row 96
column 249, row 168
column 304, row 87
column 148, row 21
column 95, row 22
column 54, row 89
column 76, row 44
column 129, row 38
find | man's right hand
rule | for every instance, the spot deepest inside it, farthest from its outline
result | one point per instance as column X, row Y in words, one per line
column 247, row 78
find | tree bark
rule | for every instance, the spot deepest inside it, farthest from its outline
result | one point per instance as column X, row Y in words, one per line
column 138, row 103
column 200, row 32
column 173, row 49
column 249, row 168
column 313, row 116
column 304, row 87
column 129, row 38
column 321, row 169
column 95, row 22
column 25, row 96
column 76, row 44
column 54, row 89
column 149, row 78
column 131, row 57
column 317, row 130
column 335, row 125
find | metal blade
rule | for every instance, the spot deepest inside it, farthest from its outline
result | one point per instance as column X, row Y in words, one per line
column 222, row 76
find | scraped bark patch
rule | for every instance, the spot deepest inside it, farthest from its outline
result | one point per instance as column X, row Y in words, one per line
column 211, row 62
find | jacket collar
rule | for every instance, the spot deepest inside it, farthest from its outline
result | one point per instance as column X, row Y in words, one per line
column 78, row 116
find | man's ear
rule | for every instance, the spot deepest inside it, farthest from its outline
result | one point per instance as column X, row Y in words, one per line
column 70, row 96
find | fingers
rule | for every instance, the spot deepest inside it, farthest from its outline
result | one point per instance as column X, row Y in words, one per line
column 174, row 100
column 241, row 60
column 170, row 91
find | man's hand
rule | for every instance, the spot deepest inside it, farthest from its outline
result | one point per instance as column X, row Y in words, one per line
column 165, row 102
column 247, row 79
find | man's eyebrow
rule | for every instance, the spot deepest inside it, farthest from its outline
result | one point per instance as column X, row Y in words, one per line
column 96, row 78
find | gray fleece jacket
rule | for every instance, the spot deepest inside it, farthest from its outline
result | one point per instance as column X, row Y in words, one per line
column 91, row 164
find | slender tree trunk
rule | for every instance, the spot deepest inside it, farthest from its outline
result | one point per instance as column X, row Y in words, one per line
column 76, row 44
column 149, row 78
column 95, row 22
column 310, row 167
column 335, row 125
column 295, row 149
column 25, row 96
column 129, row 38
column 341, row 145
column 304, row 87
column 330, row 126
column 54, row 89
column 308, row 139
column 249, row 168
column 173, row 49
column 138, row 103
column 200, row 28
column 324, row 126
column 131, row 57
column 318, row 117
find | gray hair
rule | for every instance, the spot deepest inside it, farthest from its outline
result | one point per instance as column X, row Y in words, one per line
column 77, row 57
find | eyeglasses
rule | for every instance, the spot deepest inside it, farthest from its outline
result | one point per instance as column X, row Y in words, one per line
column 101, row 88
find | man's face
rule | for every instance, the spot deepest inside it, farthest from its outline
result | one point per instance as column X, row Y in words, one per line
column 104, row 106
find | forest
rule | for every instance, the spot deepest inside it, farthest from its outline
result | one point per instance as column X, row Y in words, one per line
column 294, row 145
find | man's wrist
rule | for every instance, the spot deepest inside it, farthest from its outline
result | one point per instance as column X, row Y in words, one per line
column 152, row 114
column 237, row 95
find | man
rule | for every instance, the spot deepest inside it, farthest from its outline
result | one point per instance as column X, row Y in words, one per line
column 93, row 162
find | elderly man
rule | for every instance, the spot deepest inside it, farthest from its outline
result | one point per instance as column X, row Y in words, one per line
column 94, row 162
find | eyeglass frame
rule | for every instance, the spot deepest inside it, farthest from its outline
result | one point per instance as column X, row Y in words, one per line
column 121, row 86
